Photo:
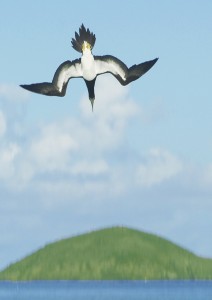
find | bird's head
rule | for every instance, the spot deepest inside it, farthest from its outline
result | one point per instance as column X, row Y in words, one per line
column 84, row 36
column 86, row 47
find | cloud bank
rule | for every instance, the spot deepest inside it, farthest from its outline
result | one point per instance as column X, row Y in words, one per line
column 81, row 171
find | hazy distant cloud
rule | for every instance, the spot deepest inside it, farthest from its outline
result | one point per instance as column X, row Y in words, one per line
column 160, row 165
column 154, row 112
column 74, row 149
column 3, row 124
column 206, row 176
column 51, row 150
column 13, row 92
column 94, row 167
column 8, row 150
column 76, row 156
column 113, row 109
column 8, row 154
column 13, row 103
column 84, row 166
column 112, row 104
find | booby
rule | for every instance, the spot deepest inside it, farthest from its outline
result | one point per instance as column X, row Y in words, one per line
column 88, row 67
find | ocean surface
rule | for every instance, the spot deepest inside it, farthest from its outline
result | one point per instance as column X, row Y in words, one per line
column 106, row 290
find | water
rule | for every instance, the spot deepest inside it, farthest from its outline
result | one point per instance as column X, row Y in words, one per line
column 106, row 290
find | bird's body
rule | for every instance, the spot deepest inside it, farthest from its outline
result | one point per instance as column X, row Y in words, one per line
column 88, row 67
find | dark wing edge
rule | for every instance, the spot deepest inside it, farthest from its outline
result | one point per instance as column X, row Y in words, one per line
column 44, row 88
column 136, row 71
column 59, row 82
column 125, row 75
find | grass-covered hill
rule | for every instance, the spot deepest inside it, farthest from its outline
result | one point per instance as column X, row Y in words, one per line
column 114, row 253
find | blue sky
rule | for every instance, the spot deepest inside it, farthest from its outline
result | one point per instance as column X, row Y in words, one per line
column 143, row 157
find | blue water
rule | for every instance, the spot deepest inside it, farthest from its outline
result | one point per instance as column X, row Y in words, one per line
column 106, row 290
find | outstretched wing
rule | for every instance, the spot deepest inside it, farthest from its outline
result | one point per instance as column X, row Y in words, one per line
column 66, row 71
column 125, row 75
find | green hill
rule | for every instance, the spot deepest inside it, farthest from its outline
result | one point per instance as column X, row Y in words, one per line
column 114, row 253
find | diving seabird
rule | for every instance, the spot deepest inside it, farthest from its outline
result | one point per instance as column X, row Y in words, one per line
column 88, row 67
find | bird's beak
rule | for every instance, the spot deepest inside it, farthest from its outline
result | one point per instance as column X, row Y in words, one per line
column 92, row 102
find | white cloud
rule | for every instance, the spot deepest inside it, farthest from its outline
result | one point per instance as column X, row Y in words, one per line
column 112, row 101
column 13, row 111
column 8, row 155
column 84, row 167
column 79, row 152
column 3, row 124
column 76, row 148
column 51, row 150
column 206, row 176
column 160, row 166
column 112, row 110
column 13, row 92
column 76, row 156
column 12, row 102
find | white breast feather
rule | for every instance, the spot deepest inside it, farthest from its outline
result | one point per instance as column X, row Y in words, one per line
column 88, row 66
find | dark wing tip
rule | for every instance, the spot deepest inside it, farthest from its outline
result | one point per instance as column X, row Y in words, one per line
column 45, row 88
column 25, row 86
column 136, row 71
column 152, row 62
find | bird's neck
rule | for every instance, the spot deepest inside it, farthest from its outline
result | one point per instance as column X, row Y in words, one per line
column 87, row 59
column 87, row 53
